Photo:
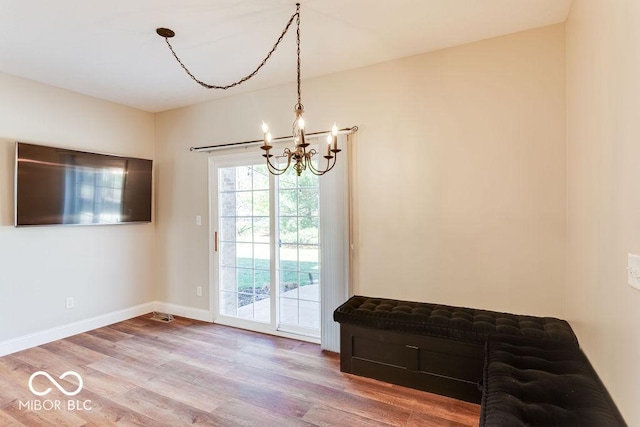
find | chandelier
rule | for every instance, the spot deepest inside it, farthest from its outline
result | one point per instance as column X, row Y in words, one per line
column 301, row 156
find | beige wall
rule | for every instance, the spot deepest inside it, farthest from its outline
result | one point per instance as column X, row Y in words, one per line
column 106, row 268
column 460, row 174
column 603, row 93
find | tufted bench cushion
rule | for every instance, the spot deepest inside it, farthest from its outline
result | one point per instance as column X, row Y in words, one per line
column 528, row 382
column 457, row 323
column 431, row 347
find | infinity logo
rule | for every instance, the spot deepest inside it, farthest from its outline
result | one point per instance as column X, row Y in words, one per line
column 55, row 383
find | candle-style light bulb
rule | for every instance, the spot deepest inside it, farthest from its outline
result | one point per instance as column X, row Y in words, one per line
column 329, row 138
column 265, row 133
column 302, row 141
column 334, row 133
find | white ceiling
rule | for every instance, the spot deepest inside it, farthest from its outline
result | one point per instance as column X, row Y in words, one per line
column 109, row 49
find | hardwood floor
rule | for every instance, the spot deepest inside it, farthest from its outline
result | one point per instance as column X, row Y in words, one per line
column 142, row 372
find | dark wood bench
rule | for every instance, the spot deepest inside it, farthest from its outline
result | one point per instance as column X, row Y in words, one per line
column 529, row 382
column 431, row 347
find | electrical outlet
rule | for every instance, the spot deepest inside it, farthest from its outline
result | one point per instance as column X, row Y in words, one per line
column 198, row 220
column 69, row 303
column 199, row 291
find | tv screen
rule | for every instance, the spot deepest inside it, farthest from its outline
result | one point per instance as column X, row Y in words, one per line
column 60, row 186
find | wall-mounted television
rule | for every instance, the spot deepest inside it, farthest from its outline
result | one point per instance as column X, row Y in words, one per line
column 59, row 186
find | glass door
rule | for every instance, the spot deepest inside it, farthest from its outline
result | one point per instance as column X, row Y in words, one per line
column 268, row 249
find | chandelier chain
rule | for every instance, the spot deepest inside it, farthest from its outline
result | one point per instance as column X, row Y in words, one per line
column 298, row 51
column 264, row 61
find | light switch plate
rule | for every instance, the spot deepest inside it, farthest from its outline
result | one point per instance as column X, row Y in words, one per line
column 633, row 270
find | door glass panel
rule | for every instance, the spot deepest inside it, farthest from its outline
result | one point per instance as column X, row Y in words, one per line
column 244, row 254
column 299, row 261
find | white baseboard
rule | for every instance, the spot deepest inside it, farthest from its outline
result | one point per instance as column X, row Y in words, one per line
column 52, row 334
column 42, row 337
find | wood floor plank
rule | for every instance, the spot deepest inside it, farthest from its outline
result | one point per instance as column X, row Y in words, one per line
column 239, row 413
column 170, row 411
column 443, row 408
column 14, row 379
column 117, row 350
column 105, row 385
column 158, row 380
column 75, row 354
column 420, row 419
column 34, row 418
column 321, row 415
column 105, row 411
column 8, row 421
column 142, row 372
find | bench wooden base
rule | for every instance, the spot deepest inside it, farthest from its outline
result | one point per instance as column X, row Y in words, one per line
column 437, row 365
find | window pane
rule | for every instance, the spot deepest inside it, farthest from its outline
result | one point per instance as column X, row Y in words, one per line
column 309, row 314
column 245, row 306
column 227, row 179
column 261, row 230
column 288, row 180
column 244, row 178
column 245, row 280
column 308, row 201
column 288, row 202
column 228, row 279
column 244, row 229
column 262, row 282
column 289, row 257
column 288, row 229
column 262, row 254
column 260, row 177
column 244, row 203
column 308, row 231
column 261, row 203
column 309, row 291
column 244, row 255
column 228, row 303
column 227, row 254
column 289, row 311
column 227, row 229
column 227, row 204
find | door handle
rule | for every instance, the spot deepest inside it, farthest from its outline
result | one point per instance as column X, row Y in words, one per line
column 215, row 241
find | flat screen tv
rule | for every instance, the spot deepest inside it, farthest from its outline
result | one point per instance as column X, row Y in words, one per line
column 59, row 186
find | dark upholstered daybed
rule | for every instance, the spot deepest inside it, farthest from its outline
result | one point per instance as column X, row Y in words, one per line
column 431, row 347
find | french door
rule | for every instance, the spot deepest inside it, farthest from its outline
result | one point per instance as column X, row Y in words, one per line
column 267, row 268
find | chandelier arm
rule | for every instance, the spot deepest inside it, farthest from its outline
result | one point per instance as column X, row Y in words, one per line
column 273, row 170
column 325, row 170
column 313, row 169
column 262, row 64
column 335, row 159
column 279, row 171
